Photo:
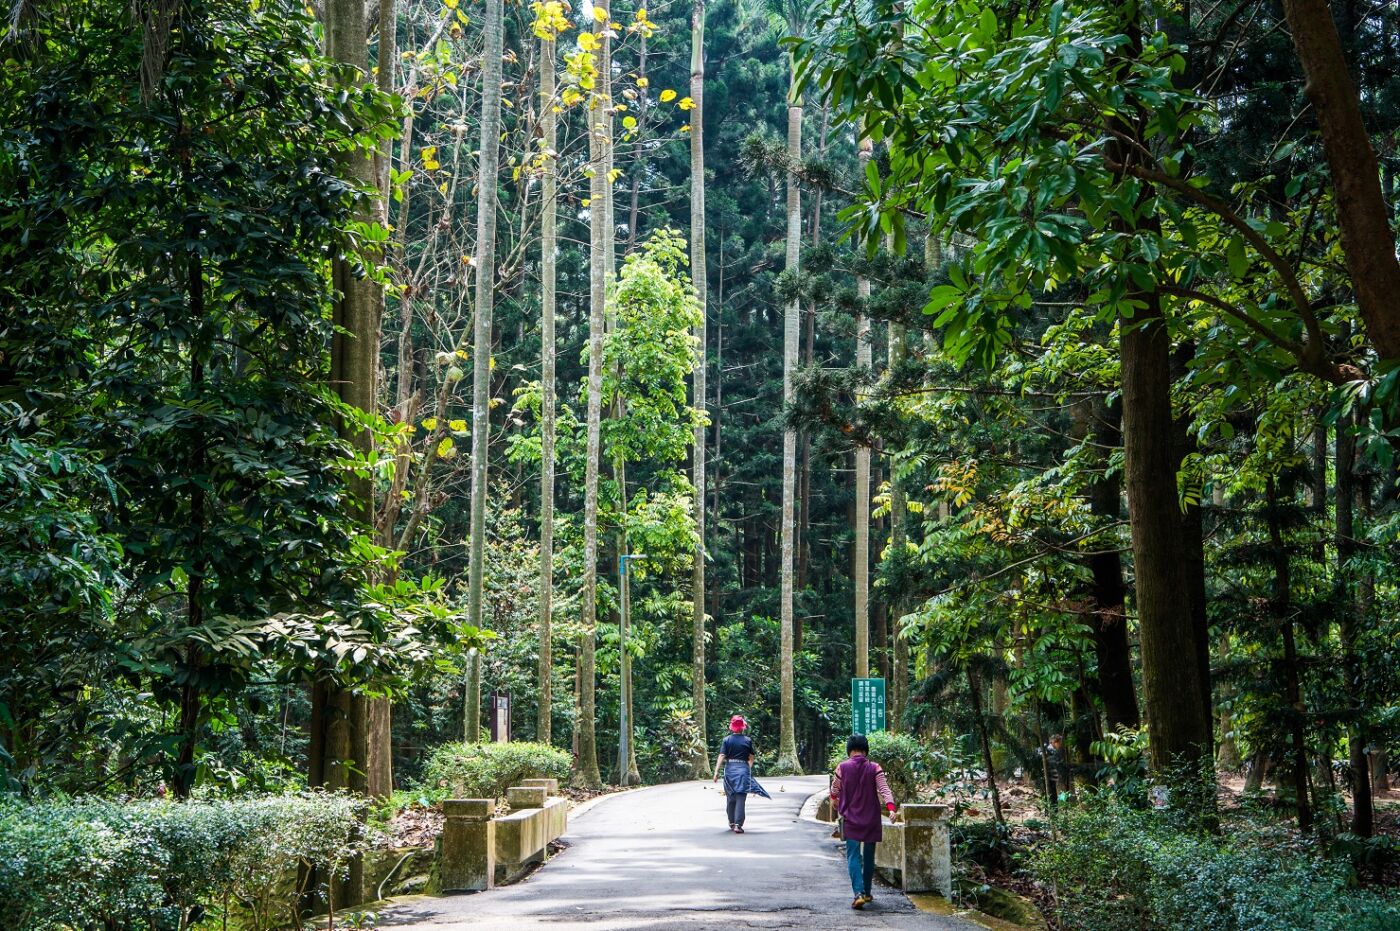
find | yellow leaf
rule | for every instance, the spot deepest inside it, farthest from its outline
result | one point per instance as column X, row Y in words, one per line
column 686, row 104
column 643, row 82
column 429, row 423
column 450, row 4
column 587, row 201
column 447, row 449
column 629, row 122
column 600, row 14
column 457, row 426
column 685, row 128
column 588, row 41
column 467, row 260
column 615, row 174
column 668, row 95
column 442, row 188
column 572, row 96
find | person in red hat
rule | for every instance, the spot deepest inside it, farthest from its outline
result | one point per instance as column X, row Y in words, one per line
column 736, row 756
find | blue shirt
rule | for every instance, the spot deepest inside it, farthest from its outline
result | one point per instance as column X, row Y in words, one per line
column 737, row 747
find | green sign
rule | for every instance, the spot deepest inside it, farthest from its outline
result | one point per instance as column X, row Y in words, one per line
column 867, row 705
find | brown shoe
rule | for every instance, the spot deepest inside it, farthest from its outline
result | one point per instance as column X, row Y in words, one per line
column 866, row 898
column 858, row 902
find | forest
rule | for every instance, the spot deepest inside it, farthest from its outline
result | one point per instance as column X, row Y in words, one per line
column 369, row 367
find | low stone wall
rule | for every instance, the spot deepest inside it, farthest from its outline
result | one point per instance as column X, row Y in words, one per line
column 479, row 850
column 915, row 854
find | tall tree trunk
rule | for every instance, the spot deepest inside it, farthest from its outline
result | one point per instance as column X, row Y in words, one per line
column 1177, row 719
column 488, row 164
column 379, row 714
column 699, row 278
column 1112, row 652
column 1352, row 614
column 600, row 239
column 1280, row 608
column 338, row 756
column 1363, row 217
column 1179, row 728
column 787, row 735
column 860, row 557
column 549, row 125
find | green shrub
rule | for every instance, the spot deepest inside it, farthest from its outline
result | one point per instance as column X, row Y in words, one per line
column 486, row 770
column 113, row 866
column 1120, row 868
column 908, row 764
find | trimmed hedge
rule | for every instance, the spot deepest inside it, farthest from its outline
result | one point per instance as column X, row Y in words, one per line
column 908, row 764
column 486, row 770
column 1121, row 869
column 133, row 866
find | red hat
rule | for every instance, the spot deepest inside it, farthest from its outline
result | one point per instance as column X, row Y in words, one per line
column 737, row 723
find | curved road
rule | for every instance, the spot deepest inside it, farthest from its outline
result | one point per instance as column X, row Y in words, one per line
column 663, row 858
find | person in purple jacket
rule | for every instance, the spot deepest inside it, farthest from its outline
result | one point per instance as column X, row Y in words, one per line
column 858, row 791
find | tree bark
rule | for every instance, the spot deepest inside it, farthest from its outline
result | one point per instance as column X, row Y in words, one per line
column 549, row 125
column 488, row 165
column 599, row 239
column 1177, row 699
column 339, row 755
column 860, row 558
column 1112, row 651
column 1353, row 686
column 1177, row 721
column 700, row 281
column 787, row 737
column 1363, row 217
column 1280, row 607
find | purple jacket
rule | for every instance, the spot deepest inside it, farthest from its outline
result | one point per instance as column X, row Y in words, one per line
column 860, row 791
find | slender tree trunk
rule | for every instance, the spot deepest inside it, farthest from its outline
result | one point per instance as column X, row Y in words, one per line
column 549, row 125
column 787, row 740
column 860, row 569
column 600, row 240
column 488, row 163
column 1280, row 605
column 379, row 714
column 1352, row 615
column 699, row 278
column 984, row 739
column 1112, row 652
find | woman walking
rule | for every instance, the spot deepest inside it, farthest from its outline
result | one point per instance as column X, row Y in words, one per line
column 736, row 762
column 857, row 792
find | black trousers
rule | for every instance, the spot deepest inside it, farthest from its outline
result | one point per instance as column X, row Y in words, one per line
column 734, row 807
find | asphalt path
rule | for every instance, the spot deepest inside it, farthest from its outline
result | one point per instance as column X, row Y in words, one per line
column 663, row 858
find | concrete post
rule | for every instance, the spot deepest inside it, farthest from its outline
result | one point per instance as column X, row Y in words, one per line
column 520, row 798
column 928, row 859
column 551, row 786
column 468, row 845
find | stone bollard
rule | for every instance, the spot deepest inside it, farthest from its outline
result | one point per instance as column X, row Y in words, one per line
column 928, row 859
column 551, row 786
column 468, row 845
column 520, row 798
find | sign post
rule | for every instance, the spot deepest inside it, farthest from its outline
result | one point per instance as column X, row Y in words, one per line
column 867, row 705
column 500, row 717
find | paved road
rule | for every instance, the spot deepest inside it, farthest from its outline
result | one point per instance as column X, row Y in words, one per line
column 663, row 858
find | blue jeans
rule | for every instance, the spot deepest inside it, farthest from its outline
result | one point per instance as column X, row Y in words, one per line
column 861, row 865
